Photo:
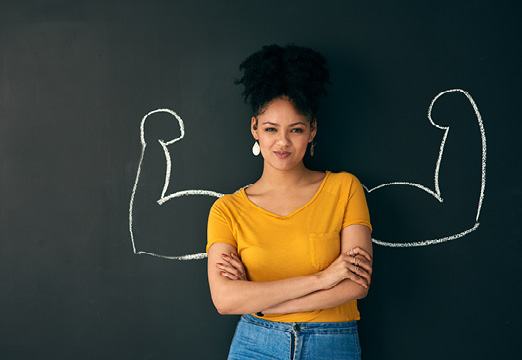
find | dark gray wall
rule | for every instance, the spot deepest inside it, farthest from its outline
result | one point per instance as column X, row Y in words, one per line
column 76, row 79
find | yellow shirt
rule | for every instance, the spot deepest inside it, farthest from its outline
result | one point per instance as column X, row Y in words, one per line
column 274, row 247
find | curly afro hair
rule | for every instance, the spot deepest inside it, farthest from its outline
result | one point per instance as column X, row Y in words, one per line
column 295, row 72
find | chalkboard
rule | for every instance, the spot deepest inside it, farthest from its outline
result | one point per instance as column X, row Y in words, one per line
column 120, row 124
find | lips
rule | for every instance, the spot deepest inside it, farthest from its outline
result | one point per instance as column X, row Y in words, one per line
column 282, row 154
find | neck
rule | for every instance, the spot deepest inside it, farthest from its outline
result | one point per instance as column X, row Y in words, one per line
column 284, row 178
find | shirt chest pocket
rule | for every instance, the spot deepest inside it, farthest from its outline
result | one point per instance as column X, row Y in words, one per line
column 324, row 248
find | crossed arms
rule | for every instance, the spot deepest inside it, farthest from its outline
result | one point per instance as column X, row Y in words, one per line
column 347, row 278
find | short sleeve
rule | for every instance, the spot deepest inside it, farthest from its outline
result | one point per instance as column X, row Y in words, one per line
column 219, row 227
column 356, row 211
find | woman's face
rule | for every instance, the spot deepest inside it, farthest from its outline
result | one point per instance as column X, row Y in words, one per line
column 283, row 134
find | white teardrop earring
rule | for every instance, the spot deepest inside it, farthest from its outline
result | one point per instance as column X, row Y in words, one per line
column 256, row 150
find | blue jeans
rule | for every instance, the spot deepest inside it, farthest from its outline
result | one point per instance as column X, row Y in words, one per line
column 258, row 339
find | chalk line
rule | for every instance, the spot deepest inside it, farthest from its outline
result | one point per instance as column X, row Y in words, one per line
column 437, row 193
column 163, row 198
column 197, row 256
column 427, row 242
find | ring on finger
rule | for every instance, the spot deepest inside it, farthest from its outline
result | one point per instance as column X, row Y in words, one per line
column 356, row 269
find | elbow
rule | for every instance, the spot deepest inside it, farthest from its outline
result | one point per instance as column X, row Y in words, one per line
column 224, row 306
column 224, row 310
column 221, row 307
column 362, row 293
column 232, row 308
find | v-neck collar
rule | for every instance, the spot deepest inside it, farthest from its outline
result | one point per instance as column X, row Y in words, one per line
column 244, row 194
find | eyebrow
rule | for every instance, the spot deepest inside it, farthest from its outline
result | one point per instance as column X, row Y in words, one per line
column 274, row 124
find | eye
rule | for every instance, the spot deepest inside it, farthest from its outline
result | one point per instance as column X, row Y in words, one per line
column 270, row 129
column 297, row 130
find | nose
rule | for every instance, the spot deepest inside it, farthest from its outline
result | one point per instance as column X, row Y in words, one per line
column 283, row 138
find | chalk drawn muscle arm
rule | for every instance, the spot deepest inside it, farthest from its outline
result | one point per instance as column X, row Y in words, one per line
column 154, row 204
column 436, row 191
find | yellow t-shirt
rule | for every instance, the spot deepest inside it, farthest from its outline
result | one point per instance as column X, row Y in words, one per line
column 274, row 247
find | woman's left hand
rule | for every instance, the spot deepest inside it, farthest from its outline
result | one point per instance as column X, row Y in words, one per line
column 232, row 267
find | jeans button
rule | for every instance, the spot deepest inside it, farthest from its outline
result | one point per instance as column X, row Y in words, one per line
column 297, row 327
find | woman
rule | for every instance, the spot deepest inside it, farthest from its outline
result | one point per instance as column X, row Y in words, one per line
column 292, row 252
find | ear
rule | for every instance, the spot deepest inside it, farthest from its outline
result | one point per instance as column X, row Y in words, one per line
column 253, row 127
column 313, row 128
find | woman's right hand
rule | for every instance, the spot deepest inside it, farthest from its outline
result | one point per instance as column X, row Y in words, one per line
column 355, row 264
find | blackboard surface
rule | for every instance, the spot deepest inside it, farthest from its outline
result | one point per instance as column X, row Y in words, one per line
column 80, row 180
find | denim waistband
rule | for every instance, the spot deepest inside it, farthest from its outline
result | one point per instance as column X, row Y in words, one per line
column 304, row 327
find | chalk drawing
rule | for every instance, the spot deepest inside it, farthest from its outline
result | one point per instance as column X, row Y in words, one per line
column 436, row 193
column 163, row 198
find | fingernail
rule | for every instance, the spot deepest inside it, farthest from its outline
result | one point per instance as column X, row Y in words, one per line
column 224, row 256
column 219, row 265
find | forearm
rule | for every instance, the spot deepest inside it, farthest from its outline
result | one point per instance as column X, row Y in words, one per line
column 245, row 297
column 343, row 292
column 233, row 296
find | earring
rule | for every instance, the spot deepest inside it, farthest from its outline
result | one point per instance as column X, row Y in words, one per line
column 312, row 147
column 256, row 150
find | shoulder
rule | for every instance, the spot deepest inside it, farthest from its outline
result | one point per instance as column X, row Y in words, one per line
column 229, row 203
column 343, row 178
column 343, row 184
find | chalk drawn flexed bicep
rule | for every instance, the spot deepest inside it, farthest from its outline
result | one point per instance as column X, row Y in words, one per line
column 155, row 149
column 458, row 161
column 154, row 187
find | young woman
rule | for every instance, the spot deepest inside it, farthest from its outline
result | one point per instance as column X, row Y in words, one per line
column 292, row 253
